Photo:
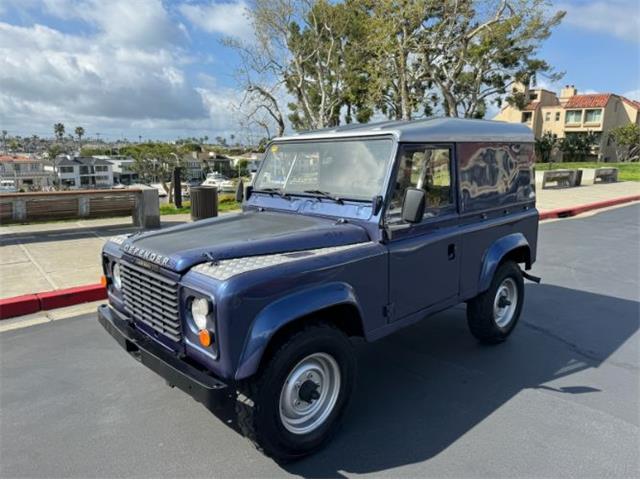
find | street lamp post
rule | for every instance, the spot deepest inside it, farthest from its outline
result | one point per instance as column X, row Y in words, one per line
column 177, row 185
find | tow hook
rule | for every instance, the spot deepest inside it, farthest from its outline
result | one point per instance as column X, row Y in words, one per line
column 531, row 278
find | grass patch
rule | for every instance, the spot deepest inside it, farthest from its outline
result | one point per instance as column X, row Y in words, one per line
column 628, row 172
column 225, row 204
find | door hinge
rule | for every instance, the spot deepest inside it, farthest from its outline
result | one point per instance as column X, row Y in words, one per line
column 389, row 310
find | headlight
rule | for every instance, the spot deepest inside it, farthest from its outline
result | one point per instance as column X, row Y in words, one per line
column 200, row 309
column 115, row 273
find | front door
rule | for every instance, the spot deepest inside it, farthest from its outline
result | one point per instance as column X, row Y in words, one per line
column 424, row 257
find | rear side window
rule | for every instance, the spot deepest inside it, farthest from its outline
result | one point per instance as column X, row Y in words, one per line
column 494, row 175
column 426, row 167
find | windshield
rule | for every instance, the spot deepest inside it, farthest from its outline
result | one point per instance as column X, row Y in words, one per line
column 350, row 169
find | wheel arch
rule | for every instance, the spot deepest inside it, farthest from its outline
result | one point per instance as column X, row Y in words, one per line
column 333, row 302
column 513, row 247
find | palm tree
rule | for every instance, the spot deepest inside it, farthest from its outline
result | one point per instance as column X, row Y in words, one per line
column 4, row 140
column 58, row 130
column 80, row 134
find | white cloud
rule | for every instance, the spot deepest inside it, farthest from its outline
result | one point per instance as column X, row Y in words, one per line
column 125, row 72
column 142, row 23
column 229, row 18
column 633, row 94
column 620, row 18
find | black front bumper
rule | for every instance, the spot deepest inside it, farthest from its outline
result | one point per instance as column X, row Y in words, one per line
column 200, row 385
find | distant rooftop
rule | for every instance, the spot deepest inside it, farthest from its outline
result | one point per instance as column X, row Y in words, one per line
column 588, row 101
column 88, row 161
column 585, row 100
column 17, row 159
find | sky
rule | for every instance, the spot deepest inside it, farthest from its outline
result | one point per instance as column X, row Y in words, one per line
column 156, row 69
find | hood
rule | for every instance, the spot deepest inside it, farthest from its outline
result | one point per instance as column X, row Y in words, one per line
column 240, row 235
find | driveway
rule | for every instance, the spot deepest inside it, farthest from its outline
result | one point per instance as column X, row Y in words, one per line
column 559, row 399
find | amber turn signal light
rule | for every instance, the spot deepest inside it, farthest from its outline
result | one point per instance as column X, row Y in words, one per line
column 205, row 338
column 103, row 281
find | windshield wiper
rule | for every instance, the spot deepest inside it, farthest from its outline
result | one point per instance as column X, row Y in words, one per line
column 271, row 191
column 323, row 194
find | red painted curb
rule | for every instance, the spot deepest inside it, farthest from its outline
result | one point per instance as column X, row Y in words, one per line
column 71, row 296
column 26, row 304
column 575, row 210
column 16, row 306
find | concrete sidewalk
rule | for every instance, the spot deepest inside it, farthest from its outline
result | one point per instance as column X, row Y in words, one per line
column 50, row 256
column 42, row 257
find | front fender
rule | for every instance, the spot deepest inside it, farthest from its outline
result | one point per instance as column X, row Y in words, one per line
column 285, row 310
column 494, row 255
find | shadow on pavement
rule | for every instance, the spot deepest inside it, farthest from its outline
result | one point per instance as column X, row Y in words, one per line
column 71, row 233
column 424, row 387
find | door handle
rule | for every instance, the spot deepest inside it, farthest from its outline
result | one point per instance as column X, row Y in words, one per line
column 451, row 251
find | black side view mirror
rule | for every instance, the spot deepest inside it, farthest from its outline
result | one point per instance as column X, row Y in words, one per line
column 240, row 191
column 413, row 205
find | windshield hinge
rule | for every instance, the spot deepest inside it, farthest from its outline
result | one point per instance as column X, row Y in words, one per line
column 389, row 311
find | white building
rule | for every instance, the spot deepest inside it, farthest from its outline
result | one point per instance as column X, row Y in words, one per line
column 122, row 167
column 24, row 172
column 85, row 172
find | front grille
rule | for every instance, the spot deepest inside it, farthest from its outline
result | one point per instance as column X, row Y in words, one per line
column 151, row 299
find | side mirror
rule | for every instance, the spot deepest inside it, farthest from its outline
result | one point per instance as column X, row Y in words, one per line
column 240, row 191
column 413, row 205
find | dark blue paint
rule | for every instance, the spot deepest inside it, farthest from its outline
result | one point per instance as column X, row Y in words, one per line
column 496, row 253
column 243, row 234
column 289, row 308
column 396, row 277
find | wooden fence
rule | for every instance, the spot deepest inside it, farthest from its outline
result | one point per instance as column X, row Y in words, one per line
column 142, row 204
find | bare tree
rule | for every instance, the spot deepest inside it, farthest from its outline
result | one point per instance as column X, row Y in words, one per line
column 297, row 53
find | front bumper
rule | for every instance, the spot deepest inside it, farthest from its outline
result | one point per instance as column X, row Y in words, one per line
column 202, row 386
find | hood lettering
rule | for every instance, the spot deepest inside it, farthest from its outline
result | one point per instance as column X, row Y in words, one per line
column 147, row 255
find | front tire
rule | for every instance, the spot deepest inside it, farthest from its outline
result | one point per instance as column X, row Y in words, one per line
column 493, row 314
column 294, row 403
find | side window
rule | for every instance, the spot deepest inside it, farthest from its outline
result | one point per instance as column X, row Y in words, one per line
column 428, row 168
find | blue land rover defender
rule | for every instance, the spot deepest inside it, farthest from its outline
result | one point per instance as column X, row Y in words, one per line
column 355, row 231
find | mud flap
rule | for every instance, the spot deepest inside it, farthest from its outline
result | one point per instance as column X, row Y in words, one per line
column 531, row 278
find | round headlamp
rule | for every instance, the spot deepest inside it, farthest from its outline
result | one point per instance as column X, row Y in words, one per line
column 200, row 309
column 115, row 273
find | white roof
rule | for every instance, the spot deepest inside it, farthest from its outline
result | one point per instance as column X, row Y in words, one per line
column 440, row 129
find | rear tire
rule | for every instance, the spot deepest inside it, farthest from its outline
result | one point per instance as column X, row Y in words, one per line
column 293, row 405
column 492, row 315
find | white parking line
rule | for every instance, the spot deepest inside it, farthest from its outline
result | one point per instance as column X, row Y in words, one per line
column 37, row 265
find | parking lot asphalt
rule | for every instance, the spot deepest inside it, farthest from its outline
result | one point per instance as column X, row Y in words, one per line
column 559, row 399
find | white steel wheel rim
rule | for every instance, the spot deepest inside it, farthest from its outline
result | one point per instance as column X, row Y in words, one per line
column 299, row 413
column 505, row 302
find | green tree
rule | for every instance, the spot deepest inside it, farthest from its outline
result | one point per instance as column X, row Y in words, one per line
column 473, row 51
column 544, row 147
column 58, row 130
column 392, row 37
column 576, row 146
column 53, row 151
column 626, row 139
column 343, row 61
column 79, row 133
column 14, row 145
column 262, row 145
